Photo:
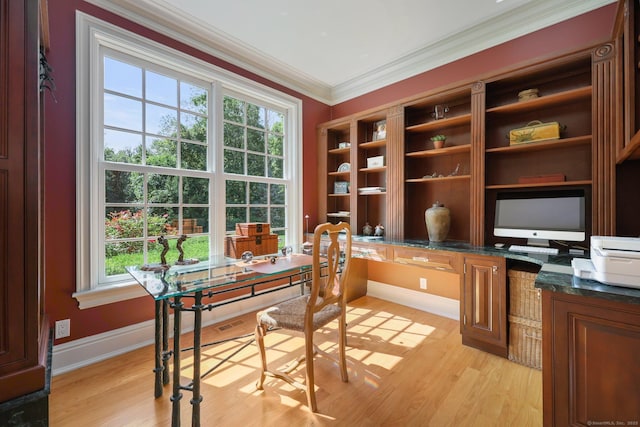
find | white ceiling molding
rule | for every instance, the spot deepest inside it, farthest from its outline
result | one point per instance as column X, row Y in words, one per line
column 530, row 16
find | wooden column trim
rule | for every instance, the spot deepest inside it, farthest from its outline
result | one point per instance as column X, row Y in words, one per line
column 395, row 173
column 604, row 132
column 478, row 108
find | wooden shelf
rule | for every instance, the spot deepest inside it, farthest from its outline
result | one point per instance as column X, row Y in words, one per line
column 373, row 170
column 373, row 144
column 340, row 150
column 543, row 145
column 373, row 193
column 346, row 173
column 544, row 101
column 454, row 149
column 439, row 124
column 543, row 184
column 440, row 179
column 339, row 195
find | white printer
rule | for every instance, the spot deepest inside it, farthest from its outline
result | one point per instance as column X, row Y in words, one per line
column 614, row 261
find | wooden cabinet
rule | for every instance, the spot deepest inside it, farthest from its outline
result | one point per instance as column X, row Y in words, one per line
column 24, row 327
column 576, row 90
column 590, row 364
column 438, row 174
column 564, row 89
column 483, row 305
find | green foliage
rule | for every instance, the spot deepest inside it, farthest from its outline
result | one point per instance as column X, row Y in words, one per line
column 129, row 225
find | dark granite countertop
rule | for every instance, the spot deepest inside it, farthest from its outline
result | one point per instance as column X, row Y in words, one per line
column 555, row 272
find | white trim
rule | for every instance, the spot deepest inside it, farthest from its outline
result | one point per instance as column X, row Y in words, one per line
column 86, row 351
column 92, row 35
column 435, row 304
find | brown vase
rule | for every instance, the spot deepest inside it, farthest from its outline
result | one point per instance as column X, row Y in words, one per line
column 438, row 221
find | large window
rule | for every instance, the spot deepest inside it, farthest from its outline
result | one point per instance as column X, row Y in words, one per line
column 170, row 146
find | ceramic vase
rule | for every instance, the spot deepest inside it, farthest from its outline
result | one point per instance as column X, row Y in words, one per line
column 438, row 221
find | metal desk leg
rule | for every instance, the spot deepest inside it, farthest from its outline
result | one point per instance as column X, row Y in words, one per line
column 166, row 355
column 197, row 335
column 175, row 398
column 158, row 369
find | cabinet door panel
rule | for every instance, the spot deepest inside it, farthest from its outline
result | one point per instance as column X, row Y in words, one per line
column 484, row 313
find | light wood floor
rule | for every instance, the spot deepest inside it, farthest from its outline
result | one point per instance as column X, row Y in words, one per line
column 406, row 368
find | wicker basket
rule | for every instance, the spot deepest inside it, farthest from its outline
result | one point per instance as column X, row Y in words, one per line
column 524, row 298
column 525, row 342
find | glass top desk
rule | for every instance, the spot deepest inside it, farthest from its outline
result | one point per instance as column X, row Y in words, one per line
column 203, row 284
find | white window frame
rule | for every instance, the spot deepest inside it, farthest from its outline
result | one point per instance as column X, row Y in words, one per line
column 94, row 35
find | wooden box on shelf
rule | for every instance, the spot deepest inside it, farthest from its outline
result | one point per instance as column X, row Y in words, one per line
column 252, row 228
column 258, row 245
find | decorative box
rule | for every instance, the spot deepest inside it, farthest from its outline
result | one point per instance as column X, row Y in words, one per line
column 375, row 162
column 341, row 187
column 539, row 179
column 258, row 245
column 535, row 131
column 252, row 228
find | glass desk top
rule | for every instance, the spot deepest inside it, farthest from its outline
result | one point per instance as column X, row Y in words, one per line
column 219, row 271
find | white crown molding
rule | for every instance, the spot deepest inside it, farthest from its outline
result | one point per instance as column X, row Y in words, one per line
column 159, row 16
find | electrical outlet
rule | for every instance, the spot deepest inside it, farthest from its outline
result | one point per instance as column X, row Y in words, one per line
column 423, row 283
column 63, row 328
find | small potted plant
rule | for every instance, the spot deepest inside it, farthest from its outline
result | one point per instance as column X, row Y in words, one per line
column 438, row 141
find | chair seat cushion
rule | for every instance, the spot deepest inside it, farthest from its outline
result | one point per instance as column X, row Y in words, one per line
column 290, row 315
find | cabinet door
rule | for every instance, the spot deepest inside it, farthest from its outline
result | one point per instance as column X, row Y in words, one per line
column 484, row 314
column 591, row 373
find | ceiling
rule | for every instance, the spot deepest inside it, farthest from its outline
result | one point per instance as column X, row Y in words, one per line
column 334, row 50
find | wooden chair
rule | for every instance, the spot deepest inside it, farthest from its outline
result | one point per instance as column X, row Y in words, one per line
column 325, row 302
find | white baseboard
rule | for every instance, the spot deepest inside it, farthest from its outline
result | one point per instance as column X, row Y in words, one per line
column 435, row 304
column 86, row 351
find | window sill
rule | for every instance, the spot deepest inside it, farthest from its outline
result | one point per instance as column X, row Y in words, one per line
column 108, row 295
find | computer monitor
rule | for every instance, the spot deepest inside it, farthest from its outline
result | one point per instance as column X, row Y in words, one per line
column 540, row 216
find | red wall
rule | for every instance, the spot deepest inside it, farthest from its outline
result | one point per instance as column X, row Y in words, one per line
column 59, row 149
column 60, row 171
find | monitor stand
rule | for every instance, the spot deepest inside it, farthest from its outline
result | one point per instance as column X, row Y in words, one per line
column 538, row 242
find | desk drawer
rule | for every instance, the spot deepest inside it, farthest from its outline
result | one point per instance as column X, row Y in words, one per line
column 426, row 258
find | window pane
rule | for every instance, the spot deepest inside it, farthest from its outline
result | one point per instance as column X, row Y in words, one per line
column 256, row 140
column 236, row 192
column 277, row 194
column 256, row 116
column 122, row 254
column 162, row 220
column 123, row 187
column 162, row 188
column 162, row 152
column 193, row 98
column 194, row 156
column 259, row 214
column 235, row 215
column 275, row 167
column 161, row 89
column 200, row 220
column 277, row 217
column 233, row 110
column 233, row 136
column 122, row 77
column 123, row 223
column 275, row 121
column 276, row 144
column 255, row 164
column 193, row 127
column 195, row 190
column 162, row 121
column 258, row 193
column 122, row 112
column 122, row 147
column 196, row 247
column 233, row 161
